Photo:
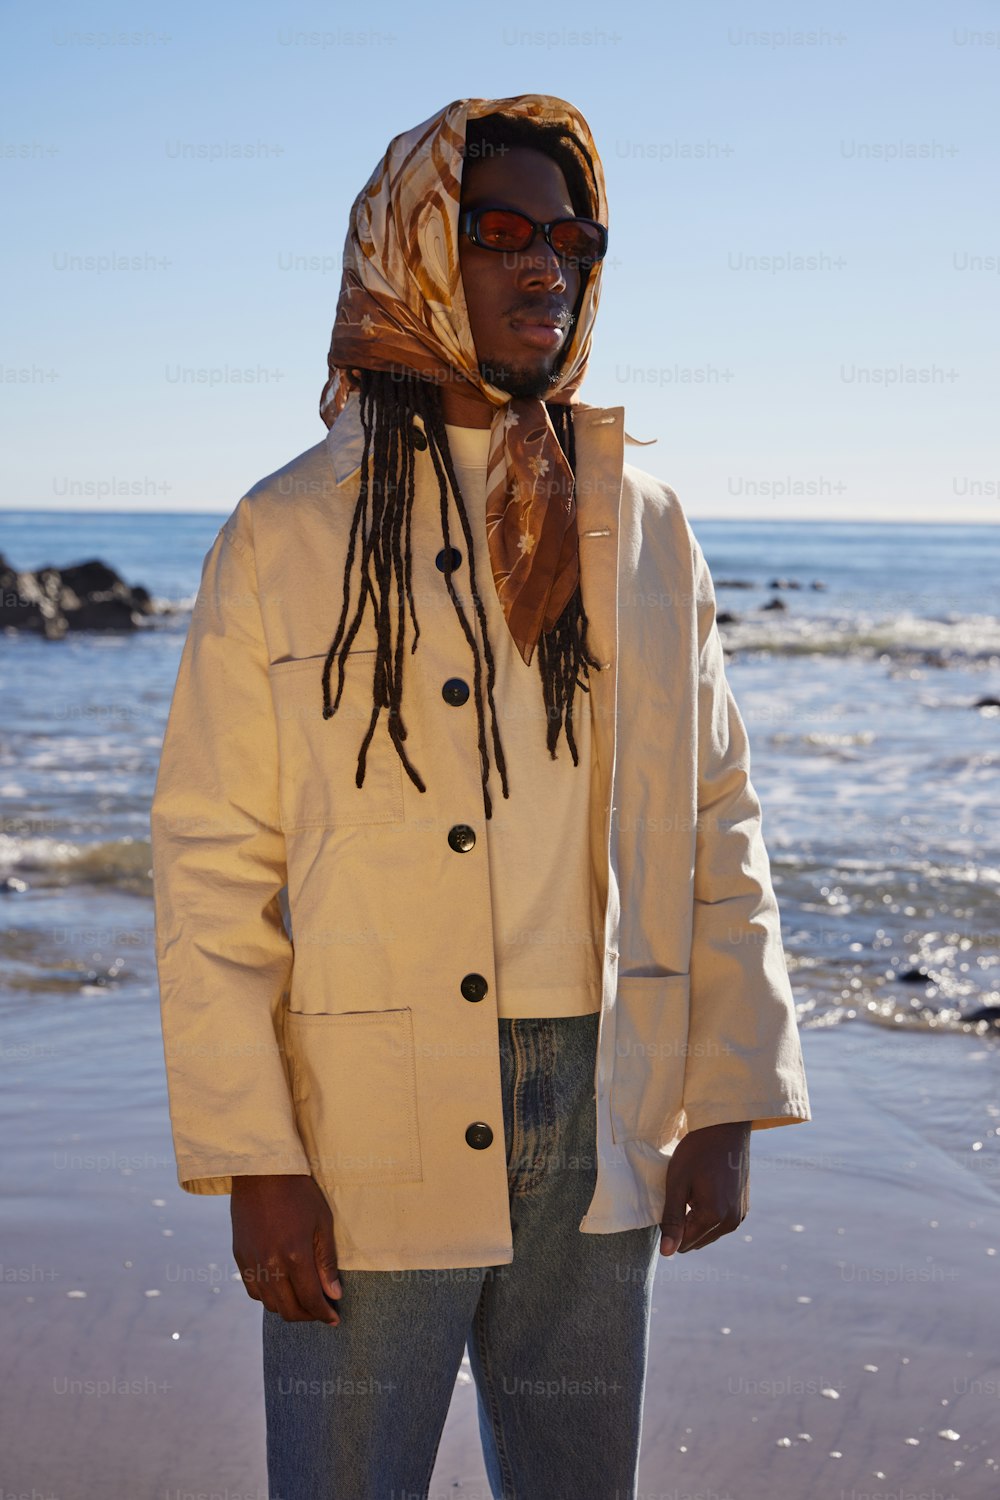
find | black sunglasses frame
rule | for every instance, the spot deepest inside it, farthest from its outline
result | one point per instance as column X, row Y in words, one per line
column 468, row 224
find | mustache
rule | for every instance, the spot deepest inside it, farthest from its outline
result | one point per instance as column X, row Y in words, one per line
column 544, row 312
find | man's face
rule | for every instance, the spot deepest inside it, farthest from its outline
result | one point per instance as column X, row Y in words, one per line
column 507, row 293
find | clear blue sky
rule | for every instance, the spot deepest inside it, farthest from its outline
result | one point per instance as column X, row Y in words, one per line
column 863, row 136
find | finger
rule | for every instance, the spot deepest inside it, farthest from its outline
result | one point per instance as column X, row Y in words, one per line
column 278, row 1294
column 730, row 1222
column 700, row 1231
column 308, row 1291
column 706, row 1215
column 708, row 1223
column 249, row 1275
column 672, row 1234
column 325, row 1249
column 674, row 1218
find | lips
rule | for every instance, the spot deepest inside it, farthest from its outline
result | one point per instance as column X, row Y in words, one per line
column 542, row 333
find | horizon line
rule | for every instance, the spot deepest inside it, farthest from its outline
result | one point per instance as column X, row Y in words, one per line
column 770, row 520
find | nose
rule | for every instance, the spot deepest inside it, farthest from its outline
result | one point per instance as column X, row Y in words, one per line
column 539, row 266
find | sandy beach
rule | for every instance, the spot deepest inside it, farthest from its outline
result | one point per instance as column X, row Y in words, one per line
column 842, row 1344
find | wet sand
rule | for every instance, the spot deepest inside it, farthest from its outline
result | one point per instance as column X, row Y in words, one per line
column 820, row 1351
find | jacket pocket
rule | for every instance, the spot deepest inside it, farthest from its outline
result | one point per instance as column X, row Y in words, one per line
column 318, row 758
column 354, row 1088
column 651, row 1044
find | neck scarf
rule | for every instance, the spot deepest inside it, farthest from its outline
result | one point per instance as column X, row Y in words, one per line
column 402, row 304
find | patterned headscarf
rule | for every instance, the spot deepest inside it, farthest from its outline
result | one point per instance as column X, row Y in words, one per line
column 402, row 304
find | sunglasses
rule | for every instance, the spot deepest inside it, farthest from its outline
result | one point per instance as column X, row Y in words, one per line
column 579, row 242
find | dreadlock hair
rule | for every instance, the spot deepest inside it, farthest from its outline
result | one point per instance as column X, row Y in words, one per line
column 389, row 401
column 388, row 404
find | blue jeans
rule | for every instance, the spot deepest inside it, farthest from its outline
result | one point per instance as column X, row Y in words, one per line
column 557, row 1339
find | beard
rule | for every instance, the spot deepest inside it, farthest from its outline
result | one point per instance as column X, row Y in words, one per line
column 521, row 381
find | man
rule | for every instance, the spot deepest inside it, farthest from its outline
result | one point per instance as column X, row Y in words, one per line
column 466, row 1037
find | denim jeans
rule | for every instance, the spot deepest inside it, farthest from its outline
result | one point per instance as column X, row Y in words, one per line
column 557, row 1340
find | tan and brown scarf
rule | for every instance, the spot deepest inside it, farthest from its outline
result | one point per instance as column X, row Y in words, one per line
column 402, row 304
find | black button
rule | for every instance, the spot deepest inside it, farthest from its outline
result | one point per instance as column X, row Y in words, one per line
column 456, row 558
column 462, row 838
column 419, row 439
column 479, row 1135
column 455, row 692
column 474, row 987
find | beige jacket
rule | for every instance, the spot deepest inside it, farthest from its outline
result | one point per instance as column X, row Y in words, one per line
column 312, row 937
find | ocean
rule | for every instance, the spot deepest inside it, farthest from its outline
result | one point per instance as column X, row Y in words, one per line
column 877, row 775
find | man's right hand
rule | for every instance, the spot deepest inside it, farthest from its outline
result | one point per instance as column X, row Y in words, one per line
column 284, row 1246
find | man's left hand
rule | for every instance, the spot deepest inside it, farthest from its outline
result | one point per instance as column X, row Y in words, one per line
column 710, row 1170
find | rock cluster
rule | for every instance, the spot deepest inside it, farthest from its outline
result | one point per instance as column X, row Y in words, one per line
column 86, row 596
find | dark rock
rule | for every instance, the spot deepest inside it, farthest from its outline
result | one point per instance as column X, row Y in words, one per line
column 775, row 604
column 987, row 702
column 817, row 584
column 15, row 607
column 84, row 596
column 784, row 583
column 989, row 1013
column 91, row 578
column 915, row 976
column 101, row 614
column 726, row 617
column 734, row 583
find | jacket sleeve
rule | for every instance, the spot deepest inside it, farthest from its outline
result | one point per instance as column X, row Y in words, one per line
column 223, row 955
column 744, row 1057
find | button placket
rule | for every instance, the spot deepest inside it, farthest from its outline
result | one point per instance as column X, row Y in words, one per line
column 600, row 531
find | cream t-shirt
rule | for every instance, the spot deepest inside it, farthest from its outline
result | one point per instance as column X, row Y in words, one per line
column 538, row 839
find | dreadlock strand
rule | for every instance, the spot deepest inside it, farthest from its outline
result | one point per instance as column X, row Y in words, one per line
column 372, row 552
column 436, row 417
column 395, row 439
column 398, row 514
column 440, row 454
column 408, row 555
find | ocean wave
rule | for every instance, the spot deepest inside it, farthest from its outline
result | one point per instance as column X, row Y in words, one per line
column 912, row 639
column 959, row 641
column 125, row 863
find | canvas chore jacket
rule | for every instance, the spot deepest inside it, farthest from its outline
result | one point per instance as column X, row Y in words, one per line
column 326, row 952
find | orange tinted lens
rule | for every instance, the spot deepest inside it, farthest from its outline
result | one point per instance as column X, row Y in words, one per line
column 577, row 240
column 503, row 230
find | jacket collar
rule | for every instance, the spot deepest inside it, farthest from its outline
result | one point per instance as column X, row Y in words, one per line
column 345, row 440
